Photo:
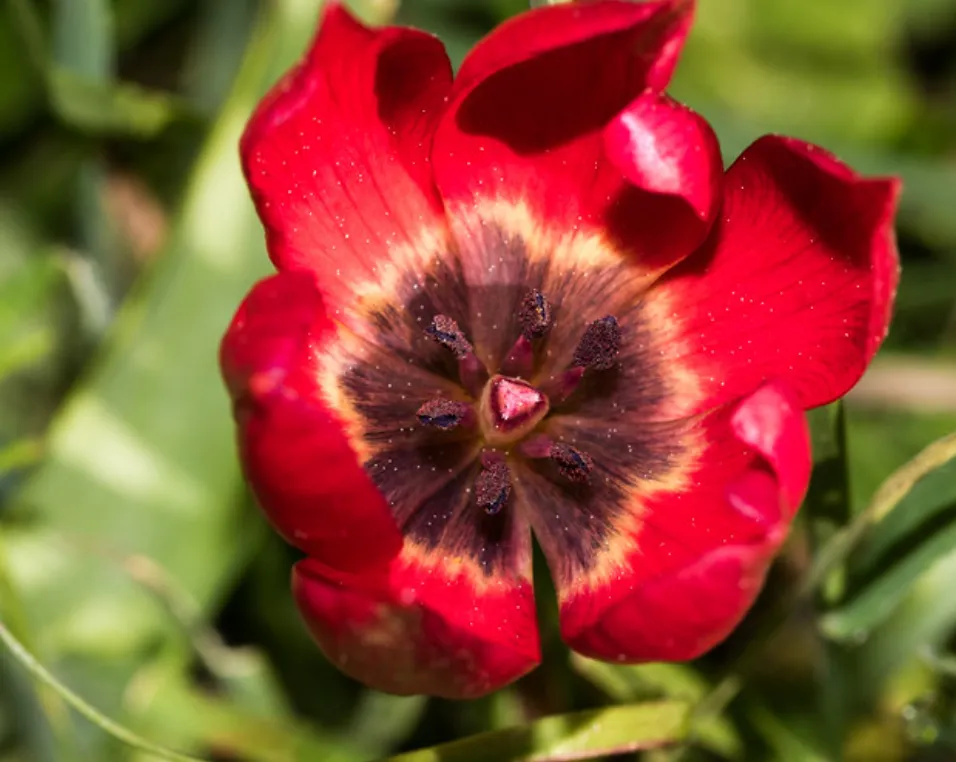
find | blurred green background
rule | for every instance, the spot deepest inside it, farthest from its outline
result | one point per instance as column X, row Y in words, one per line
column 132, row 562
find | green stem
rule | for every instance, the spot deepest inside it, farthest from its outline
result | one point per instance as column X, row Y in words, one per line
column 54, row 710
column 116, row 730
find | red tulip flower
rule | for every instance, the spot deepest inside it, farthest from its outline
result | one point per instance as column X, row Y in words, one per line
column 529, row 299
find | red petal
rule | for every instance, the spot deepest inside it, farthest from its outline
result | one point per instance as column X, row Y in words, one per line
column 526, row 120
column 294, row 448
column 662, row 146
column 660, row 25
column 701, row 550
column 336, row 155
column 428, row 624
column 796, row 281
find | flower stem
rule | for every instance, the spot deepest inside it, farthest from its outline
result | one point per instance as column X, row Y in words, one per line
column 116, row 730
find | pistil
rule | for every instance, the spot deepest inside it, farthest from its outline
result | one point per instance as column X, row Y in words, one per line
column 510, row 409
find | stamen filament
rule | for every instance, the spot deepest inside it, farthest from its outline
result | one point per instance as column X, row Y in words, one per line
column 472, row 374
column 520, row 360
column 562, row 387
column 536, row 447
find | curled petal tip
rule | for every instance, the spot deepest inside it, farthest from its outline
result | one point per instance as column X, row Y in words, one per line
column 662, row 146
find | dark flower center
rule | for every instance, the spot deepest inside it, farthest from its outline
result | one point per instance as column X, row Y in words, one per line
column 510, row 409
column 507, row 383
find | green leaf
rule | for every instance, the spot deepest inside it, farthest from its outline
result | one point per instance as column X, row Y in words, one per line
column 25, row 339
column 941, row 663
column 38, row 671
column 382, row 722
column 22, row 49
column 200, row 718
column 33, row 330
column 581, row 735
column 920, row 492
column 135, row 19
column 111, row 109
column 788, row 743
column 631, row 682
column 47, row 726
column 928, row 16
column 854, row 620
column 931, row 500
column 221, row 35
column 627, row 682
column 19, row 94
column 83, row 37
column 78, row 73
column 890, row 655
column 903, row 481
column 20, row 454
column 373, row 12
